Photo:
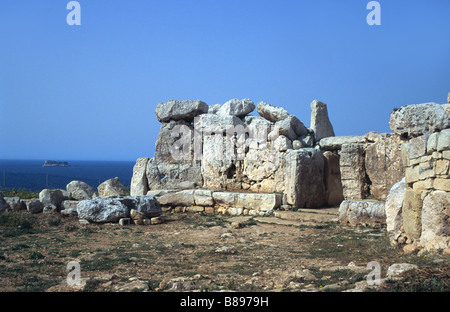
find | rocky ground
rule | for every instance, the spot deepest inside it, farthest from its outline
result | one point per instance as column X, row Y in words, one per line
column 302, row 251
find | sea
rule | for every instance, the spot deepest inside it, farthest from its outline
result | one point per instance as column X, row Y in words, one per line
column 31, row 175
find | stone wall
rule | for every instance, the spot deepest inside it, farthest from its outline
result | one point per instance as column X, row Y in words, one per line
column 222, row 148
column 418, row 207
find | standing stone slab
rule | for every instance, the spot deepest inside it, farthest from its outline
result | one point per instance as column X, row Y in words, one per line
column 383, row 163
column 393, row 208
column 139, row 182
column 304, row 178
column 320, row 121
column 436, row 221
column 412, row 214
column 353, row 174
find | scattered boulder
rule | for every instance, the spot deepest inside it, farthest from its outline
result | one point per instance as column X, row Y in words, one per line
column 180, row 110
column 111, row 187
column 34, row 206
column 418, row 119
column 15, row 203
column 236, row 107
column 80, row 190
column 320, row 122
column 397, row 269
column 51, row 198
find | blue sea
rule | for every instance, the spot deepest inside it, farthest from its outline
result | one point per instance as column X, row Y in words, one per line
column 31, row 175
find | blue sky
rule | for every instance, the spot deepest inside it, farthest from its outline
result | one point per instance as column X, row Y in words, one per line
column 89, row 92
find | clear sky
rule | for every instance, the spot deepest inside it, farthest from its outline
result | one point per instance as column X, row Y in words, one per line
column 89, row 92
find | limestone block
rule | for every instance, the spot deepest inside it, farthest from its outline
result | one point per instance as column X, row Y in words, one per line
column 335, row 143
column 435, row 232
column 418, row 119
column 203, row 198
column 353, row 175
column 177, row 110
column 393, row 207
column 236, row 107
column 383, row 164
column 443, row 143
column 320, row 121
column 412, row 214
column 181, row 198
column 139, row 182
column 442, row 184
column 111, row 187
column 418, row 146
column 357, row 213
column 304, row 178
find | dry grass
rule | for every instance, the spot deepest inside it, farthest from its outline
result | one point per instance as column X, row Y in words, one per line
column 194, row 252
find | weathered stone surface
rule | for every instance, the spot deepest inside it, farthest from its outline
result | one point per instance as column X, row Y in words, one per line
column 335, row 143
column 291, row 127
column 236, row 107
column 397, row 269
column 412, row 214
column 139, row 182
column 180, row 198
column 393, row 208
column 212, row 109
column 353, row 175
column 51, row 197
column 418, row 146
column 260, row 202
column 304, row 174
column 443, row 143
column 271, row 113
column 357, row 213
column 180, row 110
column 111, row 187
column 80, row 190
column 175, row 142
column 436, row 220
column 203, row 198
column 213, row 123
column 448, row 98
column 320, row 121
column 173, row 176
column 224, row 198
column 332, row 179
column 34, row 206
column 383, row 164
column 419, row 119
column 101, row 210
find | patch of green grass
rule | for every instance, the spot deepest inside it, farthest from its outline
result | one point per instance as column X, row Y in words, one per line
column 21, row 193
